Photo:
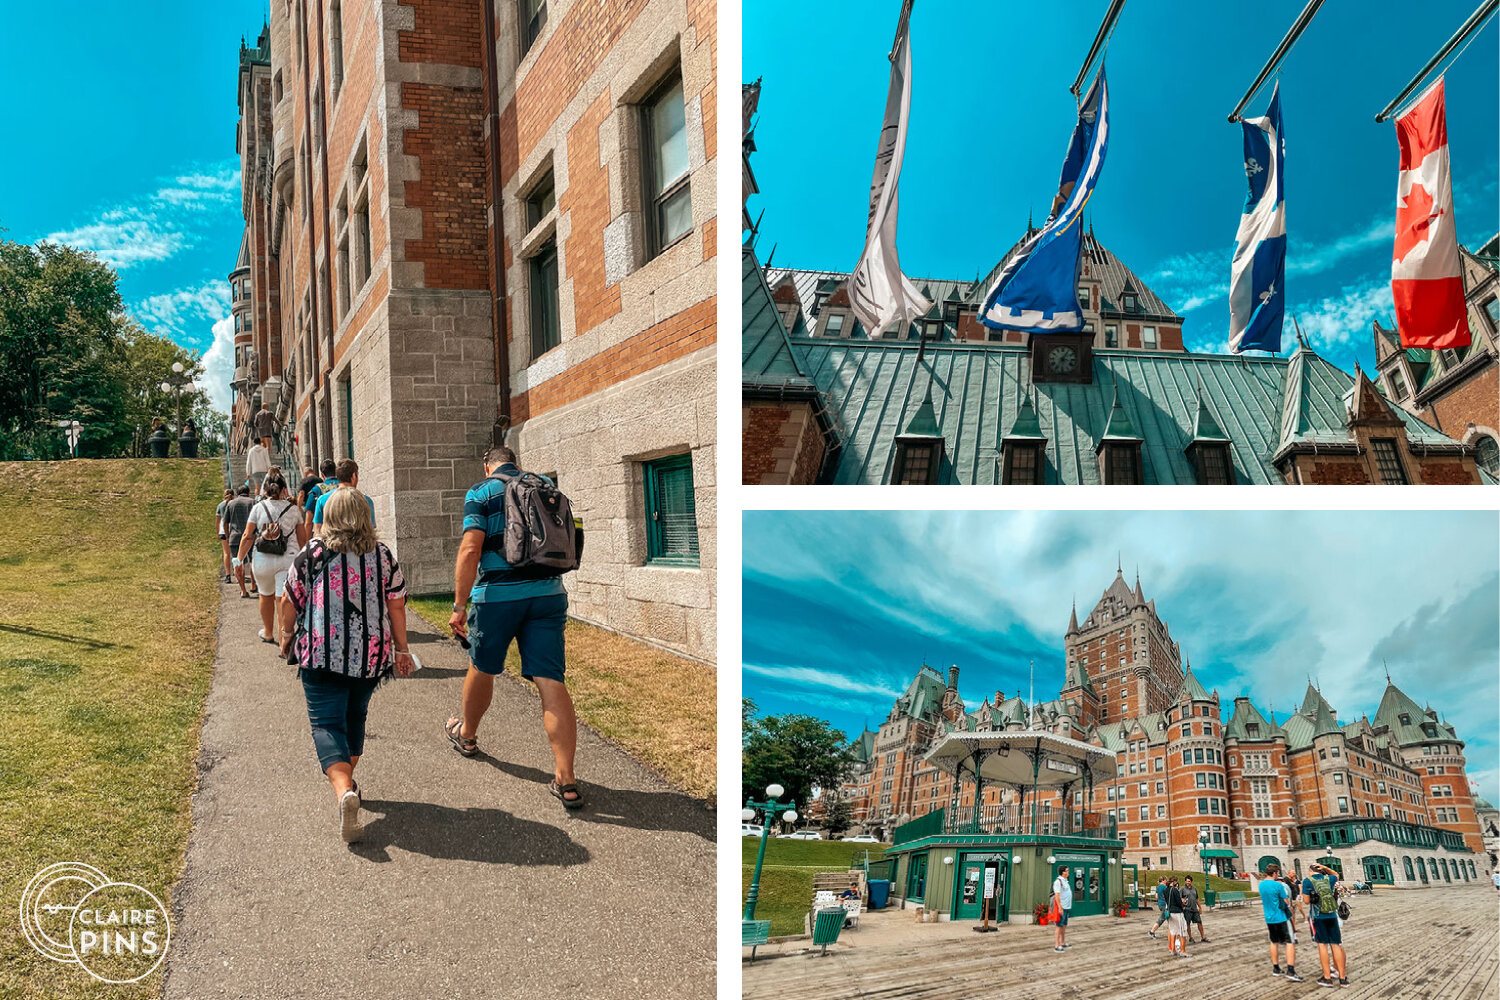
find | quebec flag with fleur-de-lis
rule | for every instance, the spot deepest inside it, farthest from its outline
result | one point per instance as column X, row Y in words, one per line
column 1257, row 276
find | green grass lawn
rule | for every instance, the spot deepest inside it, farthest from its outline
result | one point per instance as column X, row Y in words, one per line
column 1148, row 880
column 662, row 709
column 786, row 878
column 108, row 608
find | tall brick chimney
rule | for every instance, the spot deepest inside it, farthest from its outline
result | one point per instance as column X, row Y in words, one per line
column 953, row 677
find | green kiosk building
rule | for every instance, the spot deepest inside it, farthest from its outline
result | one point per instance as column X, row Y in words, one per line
column 995, row 862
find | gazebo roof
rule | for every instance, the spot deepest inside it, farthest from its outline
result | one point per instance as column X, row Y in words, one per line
column 1008, row 757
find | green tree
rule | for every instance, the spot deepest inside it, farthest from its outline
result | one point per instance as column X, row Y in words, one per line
column 797, row 752
column 839, row 815
column 148, row 364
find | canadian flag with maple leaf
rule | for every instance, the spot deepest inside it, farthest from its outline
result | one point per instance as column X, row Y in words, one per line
column 1426, row 272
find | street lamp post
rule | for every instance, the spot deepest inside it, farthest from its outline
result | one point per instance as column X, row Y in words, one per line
column 773, row 793
column 177, row 382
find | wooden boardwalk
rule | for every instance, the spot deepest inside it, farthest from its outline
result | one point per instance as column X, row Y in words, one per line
column 1433, row 944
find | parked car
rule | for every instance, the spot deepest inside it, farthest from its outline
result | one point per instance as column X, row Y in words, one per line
column 862, row 839
column 800, row 835
column 751, row 830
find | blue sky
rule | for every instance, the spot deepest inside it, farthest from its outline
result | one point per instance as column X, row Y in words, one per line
column 991, row 116
column 129, row 123
column 841, row 607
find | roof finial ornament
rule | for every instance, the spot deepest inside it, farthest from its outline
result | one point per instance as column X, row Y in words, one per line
column 1387, row 669
column 1120, row 561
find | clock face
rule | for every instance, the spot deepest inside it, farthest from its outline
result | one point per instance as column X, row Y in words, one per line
column 1062, row 359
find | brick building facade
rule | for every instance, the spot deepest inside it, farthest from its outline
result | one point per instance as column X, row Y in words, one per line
column 1388, row 798
column 1456, row 390
column 474, row 218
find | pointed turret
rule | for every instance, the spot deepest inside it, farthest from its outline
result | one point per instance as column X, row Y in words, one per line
column 1073, row 619
column 1191, row 690
column 1323, row 723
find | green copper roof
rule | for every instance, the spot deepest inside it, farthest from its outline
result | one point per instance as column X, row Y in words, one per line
column 767, row 359
column 924, row 695
column 1323, row 723
column 1078, row 677
column 1026, row 426
column 1191, row 688
column 1394, row 704
column 1205, row 427
column 923, row 423
column 1311, row 701
column 1119, row 427
column 874, row 389
column 1299, row 731
column 1244, row 715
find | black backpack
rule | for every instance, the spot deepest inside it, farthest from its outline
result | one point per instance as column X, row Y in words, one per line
column 270, row 544
column 541, row 534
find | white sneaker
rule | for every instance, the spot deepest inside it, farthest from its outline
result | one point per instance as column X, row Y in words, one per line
column 350, row 828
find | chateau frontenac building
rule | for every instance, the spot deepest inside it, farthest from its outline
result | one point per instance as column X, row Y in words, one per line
column 1199, row 782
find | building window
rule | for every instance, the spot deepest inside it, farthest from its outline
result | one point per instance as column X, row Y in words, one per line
column 1022, row 465
column 1129, row 302
column 1487, row 452
column 545, row 333
column 1083, row 296
column 669, row 191
column 1388, row 461
column 1398, row 384
column 834, row 325
column 1148, row 337
column 671, row 518
column 1122, row 465
column 1111, row 335
column 1492, row 310
column 917, row 461
column 540, row 201
column 336, row 46
column 533, row 20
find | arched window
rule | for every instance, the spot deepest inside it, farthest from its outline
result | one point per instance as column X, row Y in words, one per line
column 1487, row 454
column 1410, row 876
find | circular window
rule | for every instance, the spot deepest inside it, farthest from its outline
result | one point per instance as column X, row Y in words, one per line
column 1487, row 454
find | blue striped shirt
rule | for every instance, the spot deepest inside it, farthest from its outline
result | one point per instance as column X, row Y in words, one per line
column 484, row 510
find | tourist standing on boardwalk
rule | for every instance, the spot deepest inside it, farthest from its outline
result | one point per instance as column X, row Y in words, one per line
column 1191, row 910
column 493, row 605
column 1276, row 905
column 272, row 537
column 1062, row 895
column 1176, row 923
column 1320, row 890
column 1161, row 906
column 225, row 566
column 350, row 598
column 236, row 516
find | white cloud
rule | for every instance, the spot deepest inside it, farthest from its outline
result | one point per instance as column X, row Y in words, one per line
column 1344, row 319
column 812, row 677
column 158, row 225
column 218, row 364
column 177, row 312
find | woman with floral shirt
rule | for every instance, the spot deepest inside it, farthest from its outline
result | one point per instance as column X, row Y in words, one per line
column 346, row 600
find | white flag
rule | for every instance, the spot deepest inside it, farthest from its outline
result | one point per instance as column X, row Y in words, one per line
column 878, row 292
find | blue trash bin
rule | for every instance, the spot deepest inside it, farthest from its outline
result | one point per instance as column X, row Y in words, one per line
column 880, row 891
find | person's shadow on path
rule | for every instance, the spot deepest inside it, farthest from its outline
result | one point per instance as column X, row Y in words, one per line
column 488, row 836
column 640, row 810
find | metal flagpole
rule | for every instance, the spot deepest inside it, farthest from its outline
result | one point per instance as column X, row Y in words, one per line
column 1298, row 26
column 1100, row 39
column 1474, row 23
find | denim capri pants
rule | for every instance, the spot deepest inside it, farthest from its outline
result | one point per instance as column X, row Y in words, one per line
column 337, row 708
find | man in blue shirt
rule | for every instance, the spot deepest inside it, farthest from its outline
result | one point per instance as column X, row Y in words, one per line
column 330, row 482
column 1276, row 904
column 1320, row 889
column 346, row 473
column 495, row 604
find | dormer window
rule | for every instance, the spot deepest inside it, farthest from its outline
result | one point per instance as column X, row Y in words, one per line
column 1388, row 461
column 820, row 300
column 1405, row 719
column 1212, row 463
column 1120, row 463
column 1129, row 302
column 834, row 326
column 917, row 461
column 932, row 329
column 1252, row 730
column 1022, row 463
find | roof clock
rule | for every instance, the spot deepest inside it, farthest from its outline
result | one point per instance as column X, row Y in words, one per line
column 1062, row 357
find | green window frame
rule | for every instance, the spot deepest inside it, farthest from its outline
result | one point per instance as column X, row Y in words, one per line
column 545, row 331
column 671, row 512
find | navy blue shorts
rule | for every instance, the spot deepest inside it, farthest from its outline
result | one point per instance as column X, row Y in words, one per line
column 1062, row 917
column 534, row 623
column 1326, row 930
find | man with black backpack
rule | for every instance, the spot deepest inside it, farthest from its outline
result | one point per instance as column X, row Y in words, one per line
column 1320, row 888
column 519, row 538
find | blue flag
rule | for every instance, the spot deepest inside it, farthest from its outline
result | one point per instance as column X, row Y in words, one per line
column 1038, row 290
column 1257, row 276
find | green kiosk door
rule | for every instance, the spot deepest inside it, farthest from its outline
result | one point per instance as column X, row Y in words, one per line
column 1087, row 873
column 974, row 872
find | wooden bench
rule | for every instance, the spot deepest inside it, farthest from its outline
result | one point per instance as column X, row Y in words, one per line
column 753, row 934
column 1229, row 899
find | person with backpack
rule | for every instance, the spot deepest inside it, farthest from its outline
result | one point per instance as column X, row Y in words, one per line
column 1276, row 904
column 1062, row 904
column 346, row 474
column 519, row 537
column 236, row 516
column 1320, row 889
column 346, row 638
column 1161, row 908
column 272, row 537
column 330, row 482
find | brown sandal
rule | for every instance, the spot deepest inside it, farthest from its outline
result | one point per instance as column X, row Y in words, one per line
column 560, row 792
column 454, row 729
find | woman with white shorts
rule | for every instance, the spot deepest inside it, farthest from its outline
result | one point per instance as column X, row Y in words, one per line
column 273, row 536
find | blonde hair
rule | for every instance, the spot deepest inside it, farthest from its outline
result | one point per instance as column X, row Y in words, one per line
column 348, row 524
